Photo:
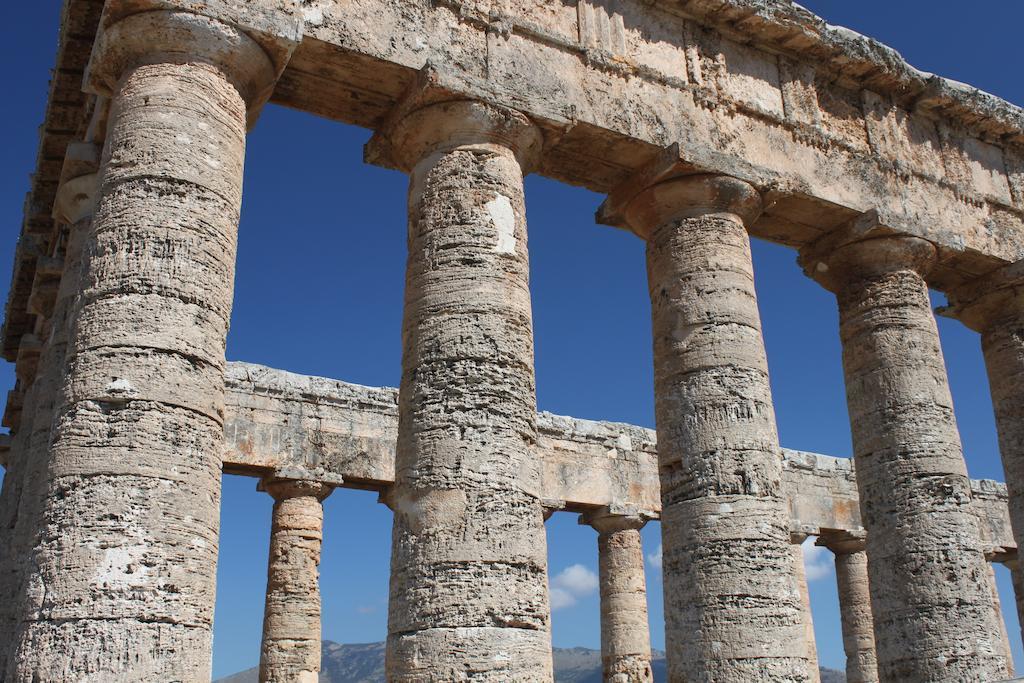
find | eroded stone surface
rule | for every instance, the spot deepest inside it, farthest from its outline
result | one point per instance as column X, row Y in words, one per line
column 331, row 430
column 933, row 614
column 469, row 561
column 732, row 611
column 994, row 307
column 625, row 635
column 826, row 124
column 122, row 574
column 291, row 618
column 800, row 577
column 854, row 606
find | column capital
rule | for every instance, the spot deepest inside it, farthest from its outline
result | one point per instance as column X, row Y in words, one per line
column 668, row 187
column 689, row 196
column 604, row 520
column 250, row 45
column 80, row 184
column 416, row 131
column 282, row 489
column 843, row 542
column 864, row 248
column 991, row 299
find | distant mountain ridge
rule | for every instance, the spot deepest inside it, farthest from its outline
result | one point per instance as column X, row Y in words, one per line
column 364, row 663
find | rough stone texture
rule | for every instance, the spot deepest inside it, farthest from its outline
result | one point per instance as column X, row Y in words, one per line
column 854, row 606
column 994, row 306
column 333, row 431
column 468, row 596
column 831, row 121
column 932, row 609
column 1018, row 580
column 122, row 577
column 732, row 611
column 625, row 635
column 24, row 482
column 291, row 619
column 800, row 577
column 825, row 123
column 997, row 606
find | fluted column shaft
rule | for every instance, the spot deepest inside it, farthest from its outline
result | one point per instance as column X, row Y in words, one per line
column 124, row 572
column 800, row 577
column 625, row 633
column 291, row 618
column 468, row 594
column 932, row 610
column 855, row 609
column 731, row 606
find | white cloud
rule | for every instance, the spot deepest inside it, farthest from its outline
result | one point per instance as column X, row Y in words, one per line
column 817, row 560
column 561, row 598
column 654, row 559
column 570, row 584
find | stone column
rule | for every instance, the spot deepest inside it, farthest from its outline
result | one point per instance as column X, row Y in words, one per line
column 625, row 634
column 994, row 307
column 1017, row 577
column 854, row 607
column 997, row 606
column 932, row 609
column 800, row 577
column 291, row 619
column 731, row 607
column 121, row 581
column 24, row 484
column 468, row 597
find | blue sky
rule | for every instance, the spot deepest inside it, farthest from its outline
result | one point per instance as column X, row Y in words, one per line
column 319, row 291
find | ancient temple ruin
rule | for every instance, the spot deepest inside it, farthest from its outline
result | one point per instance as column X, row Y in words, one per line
column 704, row 122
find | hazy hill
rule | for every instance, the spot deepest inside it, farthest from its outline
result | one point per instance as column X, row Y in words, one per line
column 365, row 664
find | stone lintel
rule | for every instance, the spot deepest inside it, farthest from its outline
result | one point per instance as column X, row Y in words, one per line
column 870, row 130
column 276, row 421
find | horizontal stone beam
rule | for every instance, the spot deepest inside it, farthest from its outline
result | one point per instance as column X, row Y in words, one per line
column 333, row 431
column 830, row 124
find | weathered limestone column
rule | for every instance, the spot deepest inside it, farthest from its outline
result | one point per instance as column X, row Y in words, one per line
column 625, row 634
column 731, row 606
column 997, row 606
column 800, row 577
column 468, row 597
column 291, row 619
column 994, row 307
column 121, row 581
column 1017, row 577
column 25, row 481
column 854, row 606
column 932, row 609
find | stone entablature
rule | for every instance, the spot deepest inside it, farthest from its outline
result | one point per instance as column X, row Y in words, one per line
column 830, row 123
column 344, row 434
